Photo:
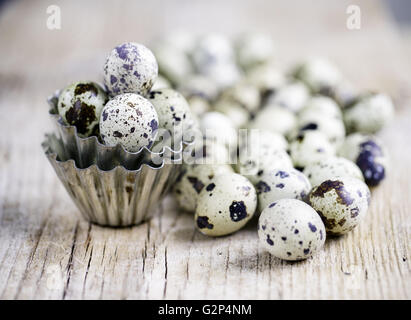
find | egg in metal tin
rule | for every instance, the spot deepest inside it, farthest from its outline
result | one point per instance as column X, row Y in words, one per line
column 173, row 111
column 130, row 68
column 80, row 105
column 130, row 120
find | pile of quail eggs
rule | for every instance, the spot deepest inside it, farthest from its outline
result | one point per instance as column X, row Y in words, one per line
column 126, row 110
column 295, row 148
column 310, row 152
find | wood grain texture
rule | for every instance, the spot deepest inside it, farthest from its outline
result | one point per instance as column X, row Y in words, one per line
column 48, row 252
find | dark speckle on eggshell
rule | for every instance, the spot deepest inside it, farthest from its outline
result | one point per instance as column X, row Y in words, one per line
column 202, row 222
column 238, row 211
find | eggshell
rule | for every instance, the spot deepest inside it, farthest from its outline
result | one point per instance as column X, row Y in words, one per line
column 130, row 68
column 80, row 105
column 290, row 229
column 130, row 120
column 341, row 202
column 225, row 205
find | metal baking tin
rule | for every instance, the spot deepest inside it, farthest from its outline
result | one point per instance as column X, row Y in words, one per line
column 117, row 197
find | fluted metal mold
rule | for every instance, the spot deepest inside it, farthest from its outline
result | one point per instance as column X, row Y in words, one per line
column 89, row 150
column 117, row 197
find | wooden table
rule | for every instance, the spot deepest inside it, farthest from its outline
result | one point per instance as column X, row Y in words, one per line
column 48, row 251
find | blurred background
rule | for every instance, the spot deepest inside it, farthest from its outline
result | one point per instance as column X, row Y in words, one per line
column 89, row 29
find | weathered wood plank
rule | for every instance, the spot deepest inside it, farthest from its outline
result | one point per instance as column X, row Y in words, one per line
column 48, row 252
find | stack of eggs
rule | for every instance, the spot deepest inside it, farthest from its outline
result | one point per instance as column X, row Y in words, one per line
column 310, row 153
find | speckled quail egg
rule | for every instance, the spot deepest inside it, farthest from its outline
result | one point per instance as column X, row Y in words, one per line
column 130, row 68
column 244, row 94
column 160, row 83
column 253, row 49
column 292, row 96
column 199, row 86
column 192, row 180
column 332, row 128
column 173, row 63
column 130, row 120
column 309, row 147
column 253, row 163
column 281, row 183
column 341, row 203
column 263, row 138
column 80, row 105
column 234, row 110
column 290, row 229
column 332, row 167
column 224, row 75
column 173, row 111
column 321, row 106
column 266, row 77
column 211, row 50
column 274, row 118
column 225, row 205
column 217, row 126
column 344, row 93
column 369, row 155
column 370, row 114
column 319, row 74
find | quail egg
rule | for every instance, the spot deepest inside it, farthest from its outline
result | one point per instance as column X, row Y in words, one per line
column 130, row 120
column 212, row 50
column 224, row 75
column 234, row 110
column 290, row 229
column 245, row 95
column 319, row 74
column 341, row 202
column 255, row 162
column 266, row 77
column 173, row 111
column 308, row 147
column 332, row 128
column 192, row 180
column 160, row 83
column 254, row 49
column 130, row 68
column 80, row 105
column 199, row 86
column 206, row 152
column 225, row 205
column 263, row 139
column 276, row 184
column 173, row 63
column 292, row 96
column 219, row 127
column 369, row 155
column 370, row 114
column 274, row 118
column 332, row 167
column 321, row 105
column 198, row 105
column 344, row 93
